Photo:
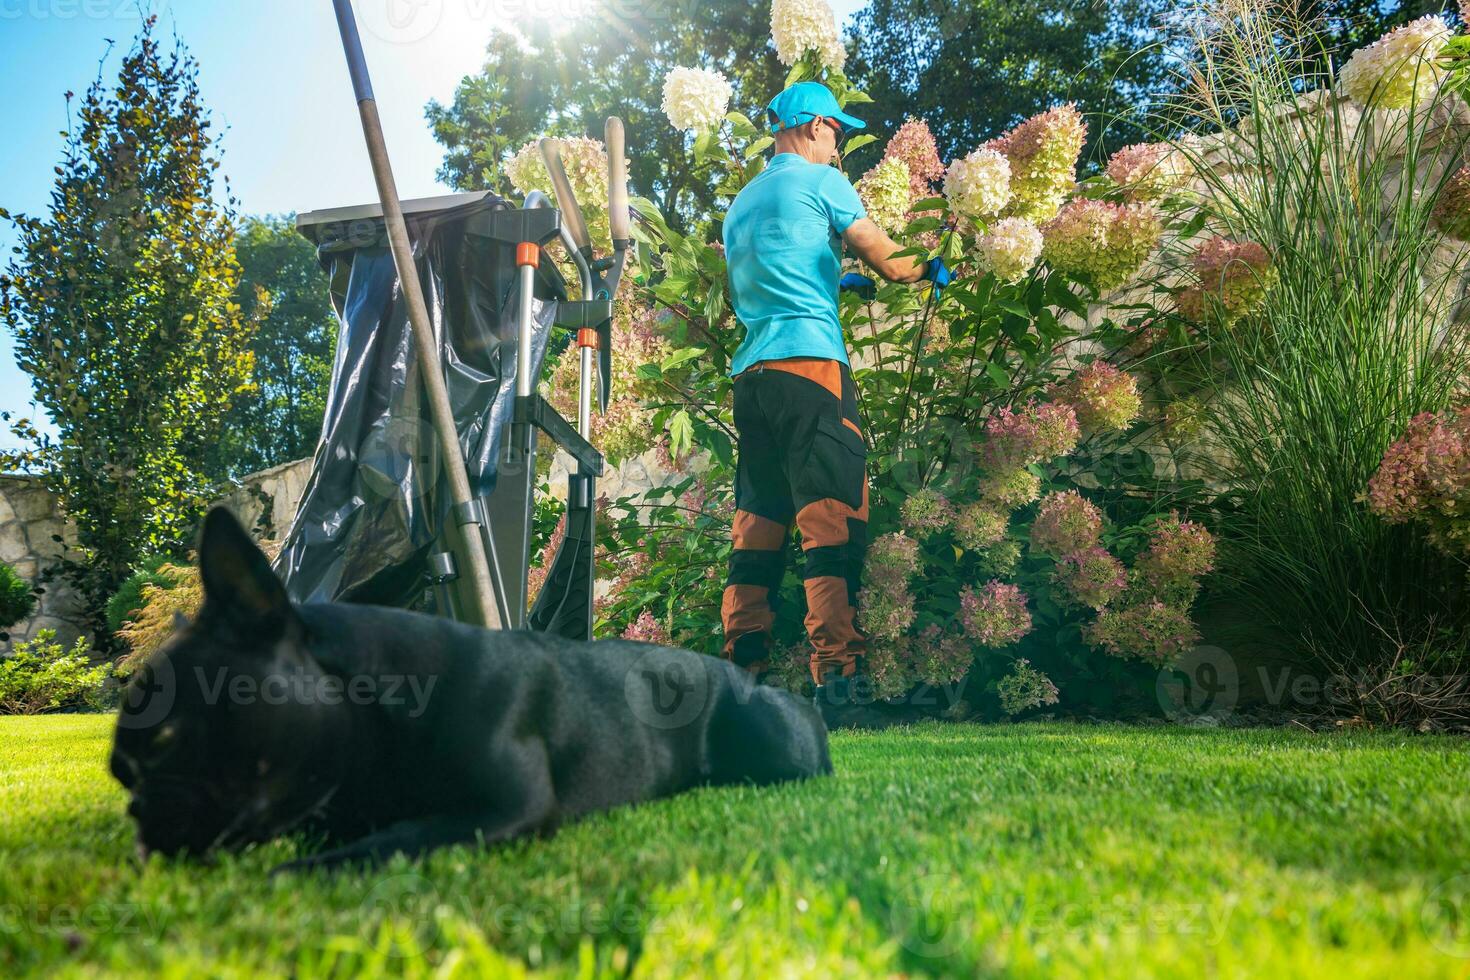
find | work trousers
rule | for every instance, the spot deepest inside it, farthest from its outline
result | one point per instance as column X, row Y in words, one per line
column 802, row 458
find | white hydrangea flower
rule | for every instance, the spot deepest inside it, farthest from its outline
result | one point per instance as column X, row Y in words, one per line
column 884, row 191
column 798, row 26
column 1010, row 249
column 1399, row 69
column 696, row 98
column 978, row 185
column 585, row 161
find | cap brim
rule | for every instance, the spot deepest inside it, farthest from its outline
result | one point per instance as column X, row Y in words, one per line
column 850, row 122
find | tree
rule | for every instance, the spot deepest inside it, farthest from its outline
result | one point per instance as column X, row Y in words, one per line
column 612, row 64
column 977, row 67
column 283, row 288
column 122, row 303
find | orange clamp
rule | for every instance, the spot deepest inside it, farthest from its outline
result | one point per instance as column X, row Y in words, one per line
column 587, row 338
column 528, row 253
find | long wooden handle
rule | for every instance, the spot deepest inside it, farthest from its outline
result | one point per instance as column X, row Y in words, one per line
column 617, row 180
column 426, row 345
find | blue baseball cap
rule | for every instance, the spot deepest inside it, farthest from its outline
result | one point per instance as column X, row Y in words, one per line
column 804, row 101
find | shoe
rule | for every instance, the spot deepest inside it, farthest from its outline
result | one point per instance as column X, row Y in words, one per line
column 847, row 702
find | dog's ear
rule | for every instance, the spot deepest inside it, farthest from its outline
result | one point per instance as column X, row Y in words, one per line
column 238, row 580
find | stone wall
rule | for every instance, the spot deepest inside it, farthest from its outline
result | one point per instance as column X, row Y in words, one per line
column 34, row 531
column 33, row 534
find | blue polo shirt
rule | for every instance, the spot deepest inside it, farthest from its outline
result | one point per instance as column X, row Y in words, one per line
column 783, row 247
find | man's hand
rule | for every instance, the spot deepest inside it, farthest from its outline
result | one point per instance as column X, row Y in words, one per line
column 938, row 273
column 855, row 283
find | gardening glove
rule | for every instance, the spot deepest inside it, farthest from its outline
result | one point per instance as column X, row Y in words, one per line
column 937, row 273
column 860, row 284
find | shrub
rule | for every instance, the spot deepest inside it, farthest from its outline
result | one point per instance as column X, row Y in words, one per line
column 128, row 599
column 176, row 592
column 41, row 676
column 971, row 403
column 1316, row 295
column 17, row 598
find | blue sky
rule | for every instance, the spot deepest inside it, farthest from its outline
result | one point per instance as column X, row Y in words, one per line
column 273, row 75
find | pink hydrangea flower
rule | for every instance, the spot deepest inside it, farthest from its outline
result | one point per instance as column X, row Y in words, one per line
column 1043, row 152
column 1399, row 491
column 1425, row 477
column 1011, row 489
column 1151, row 631
column 941, row 656
column 926, row 512
column 1091, row 577
column 1179, row 553
column 1057, row 430
column 979, row 526
column 1036, row 434
column 995, row 616
column 1147, row 171
column 889, row 663
column 914, row 144
column 1065, row 522
column 1233, row 280
column 1108, row 243
column 646, row 629
column 1103, row 397
column 885, row 604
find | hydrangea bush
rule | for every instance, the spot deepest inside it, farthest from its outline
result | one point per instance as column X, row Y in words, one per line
column 998, row 556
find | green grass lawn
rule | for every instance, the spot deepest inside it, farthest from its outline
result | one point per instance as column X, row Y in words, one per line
column 944, row 850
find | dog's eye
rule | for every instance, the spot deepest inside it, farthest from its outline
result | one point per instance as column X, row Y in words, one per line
column 166, row 736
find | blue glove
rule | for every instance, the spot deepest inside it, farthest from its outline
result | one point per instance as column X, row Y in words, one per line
column 855, row 283
column 938, row 274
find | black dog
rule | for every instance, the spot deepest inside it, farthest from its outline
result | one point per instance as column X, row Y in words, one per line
column 388, row 731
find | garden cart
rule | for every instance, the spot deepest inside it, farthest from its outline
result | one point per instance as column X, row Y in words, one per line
column 422, row 490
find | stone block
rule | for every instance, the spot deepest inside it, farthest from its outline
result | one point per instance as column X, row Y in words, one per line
column 34, row 504
column 42, row 535
column 13, row 545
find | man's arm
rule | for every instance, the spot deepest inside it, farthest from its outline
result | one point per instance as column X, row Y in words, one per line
column 874, row 247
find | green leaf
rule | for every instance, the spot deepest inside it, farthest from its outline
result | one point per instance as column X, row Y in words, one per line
column 857, row 142
column 998, row 375
column 681, row 433
column 681, row 357
column 704, row 144
column 741, row 125
column 758, row 146
column 932, row 204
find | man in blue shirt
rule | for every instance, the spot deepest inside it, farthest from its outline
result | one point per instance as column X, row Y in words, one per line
column 802, row 454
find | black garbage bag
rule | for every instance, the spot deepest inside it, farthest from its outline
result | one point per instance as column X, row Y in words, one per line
column 377, row 502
